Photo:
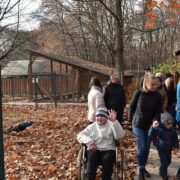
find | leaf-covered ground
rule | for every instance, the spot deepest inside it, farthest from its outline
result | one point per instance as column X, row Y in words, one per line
column 48, row 149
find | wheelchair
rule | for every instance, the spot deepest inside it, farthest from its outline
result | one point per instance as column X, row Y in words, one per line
column 119, row 170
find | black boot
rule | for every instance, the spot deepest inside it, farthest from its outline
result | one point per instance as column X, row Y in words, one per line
column 146, row 173
column 141, row 174
column 165, row 178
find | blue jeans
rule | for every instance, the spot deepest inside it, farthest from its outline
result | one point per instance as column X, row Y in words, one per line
column 143, row 145
column 165, row 160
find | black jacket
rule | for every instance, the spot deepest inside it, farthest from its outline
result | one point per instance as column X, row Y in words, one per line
column 144, row 108
column 171, row 94
column 114, row 97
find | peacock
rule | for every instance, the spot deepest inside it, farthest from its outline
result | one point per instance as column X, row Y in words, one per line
column 18, row 127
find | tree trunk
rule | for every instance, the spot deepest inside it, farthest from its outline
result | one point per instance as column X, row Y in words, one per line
column 2, row 171
column 119, row 41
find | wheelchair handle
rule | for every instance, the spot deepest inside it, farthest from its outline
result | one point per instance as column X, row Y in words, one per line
column 117, row 143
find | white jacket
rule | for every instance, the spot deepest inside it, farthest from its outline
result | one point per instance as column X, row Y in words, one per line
column 95, row 100
column 102, row 135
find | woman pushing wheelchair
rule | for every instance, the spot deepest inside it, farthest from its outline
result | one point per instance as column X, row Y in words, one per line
column 99, row 138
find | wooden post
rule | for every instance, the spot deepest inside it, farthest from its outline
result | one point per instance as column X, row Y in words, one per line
column 67, row 89
column 74, row 85
column 77, row 84
column 80, row 86
column 60, row 68
column 35, row 91
column 30, row 77
column 60, row 81
column 12, row 87
column 51, row 66
column 54, row 89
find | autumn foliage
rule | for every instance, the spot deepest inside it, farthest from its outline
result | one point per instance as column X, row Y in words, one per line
column 48, row 149
column 169, row 6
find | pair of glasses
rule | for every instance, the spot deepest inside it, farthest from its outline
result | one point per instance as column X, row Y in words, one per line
column 169, row 123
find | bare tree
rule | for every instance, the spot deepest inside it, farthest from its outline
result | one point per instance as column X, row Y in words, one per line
column 6, row 46
column 115, row 33
column 10, row 39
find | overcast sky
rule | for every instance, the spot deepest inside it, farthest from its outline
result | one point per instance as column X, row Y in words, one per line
column 27, row 7
column 31, row 6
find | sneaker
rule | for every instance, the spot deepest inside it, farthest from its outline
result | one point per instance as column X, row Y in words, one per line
column 141, row 174
column 146, row 173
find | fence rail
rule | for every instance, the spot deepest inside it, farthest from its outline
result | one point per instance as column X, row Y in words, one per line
column 15, row 86
column 43, row 85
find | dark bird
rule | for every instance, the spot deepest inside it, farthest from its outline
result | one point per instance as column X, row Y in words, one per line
column 19, row 126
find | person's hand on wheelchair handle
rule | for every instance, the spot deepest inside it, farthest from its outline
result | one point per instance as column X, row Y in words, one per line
column 112, row 115
column 92, row 147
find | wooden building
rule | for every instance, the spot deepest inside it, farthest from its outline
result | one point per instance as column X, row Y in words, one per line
column 61, row 79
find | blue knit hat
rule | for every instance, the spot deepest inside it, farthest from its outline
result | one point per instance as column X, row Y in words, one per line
column 102, row 111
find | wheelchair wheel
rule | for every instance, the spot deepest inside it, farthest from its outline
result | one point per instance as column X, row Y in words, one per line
column 123, row 164
column 81, row 164
column 116, row 169
column 115, row 172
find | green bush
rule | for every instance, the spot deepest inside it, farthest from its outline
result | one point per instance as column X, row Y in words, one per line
column 167, row 67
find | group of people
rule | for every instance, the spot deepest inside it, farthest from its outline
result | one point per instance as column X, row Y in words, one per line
column 152, row 115
column 153, row 110
column 112, row 96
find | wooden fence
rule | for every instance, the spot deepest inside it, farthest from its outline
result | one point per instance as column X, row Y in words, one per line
column 44, row 86
column 61, row 87
column 14, row 86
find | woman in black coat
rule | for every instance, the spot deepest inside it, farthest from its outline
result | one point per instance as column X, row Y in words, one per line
column 145, row 107
column 114, row 96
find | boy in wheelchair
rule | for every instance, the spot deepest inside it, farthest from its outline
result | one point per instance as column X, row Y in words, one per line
column 99, row 137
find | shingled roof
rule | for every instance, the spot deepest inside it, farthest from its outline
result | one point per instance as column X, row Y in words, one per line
column 20, row 67
column 77, row 62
